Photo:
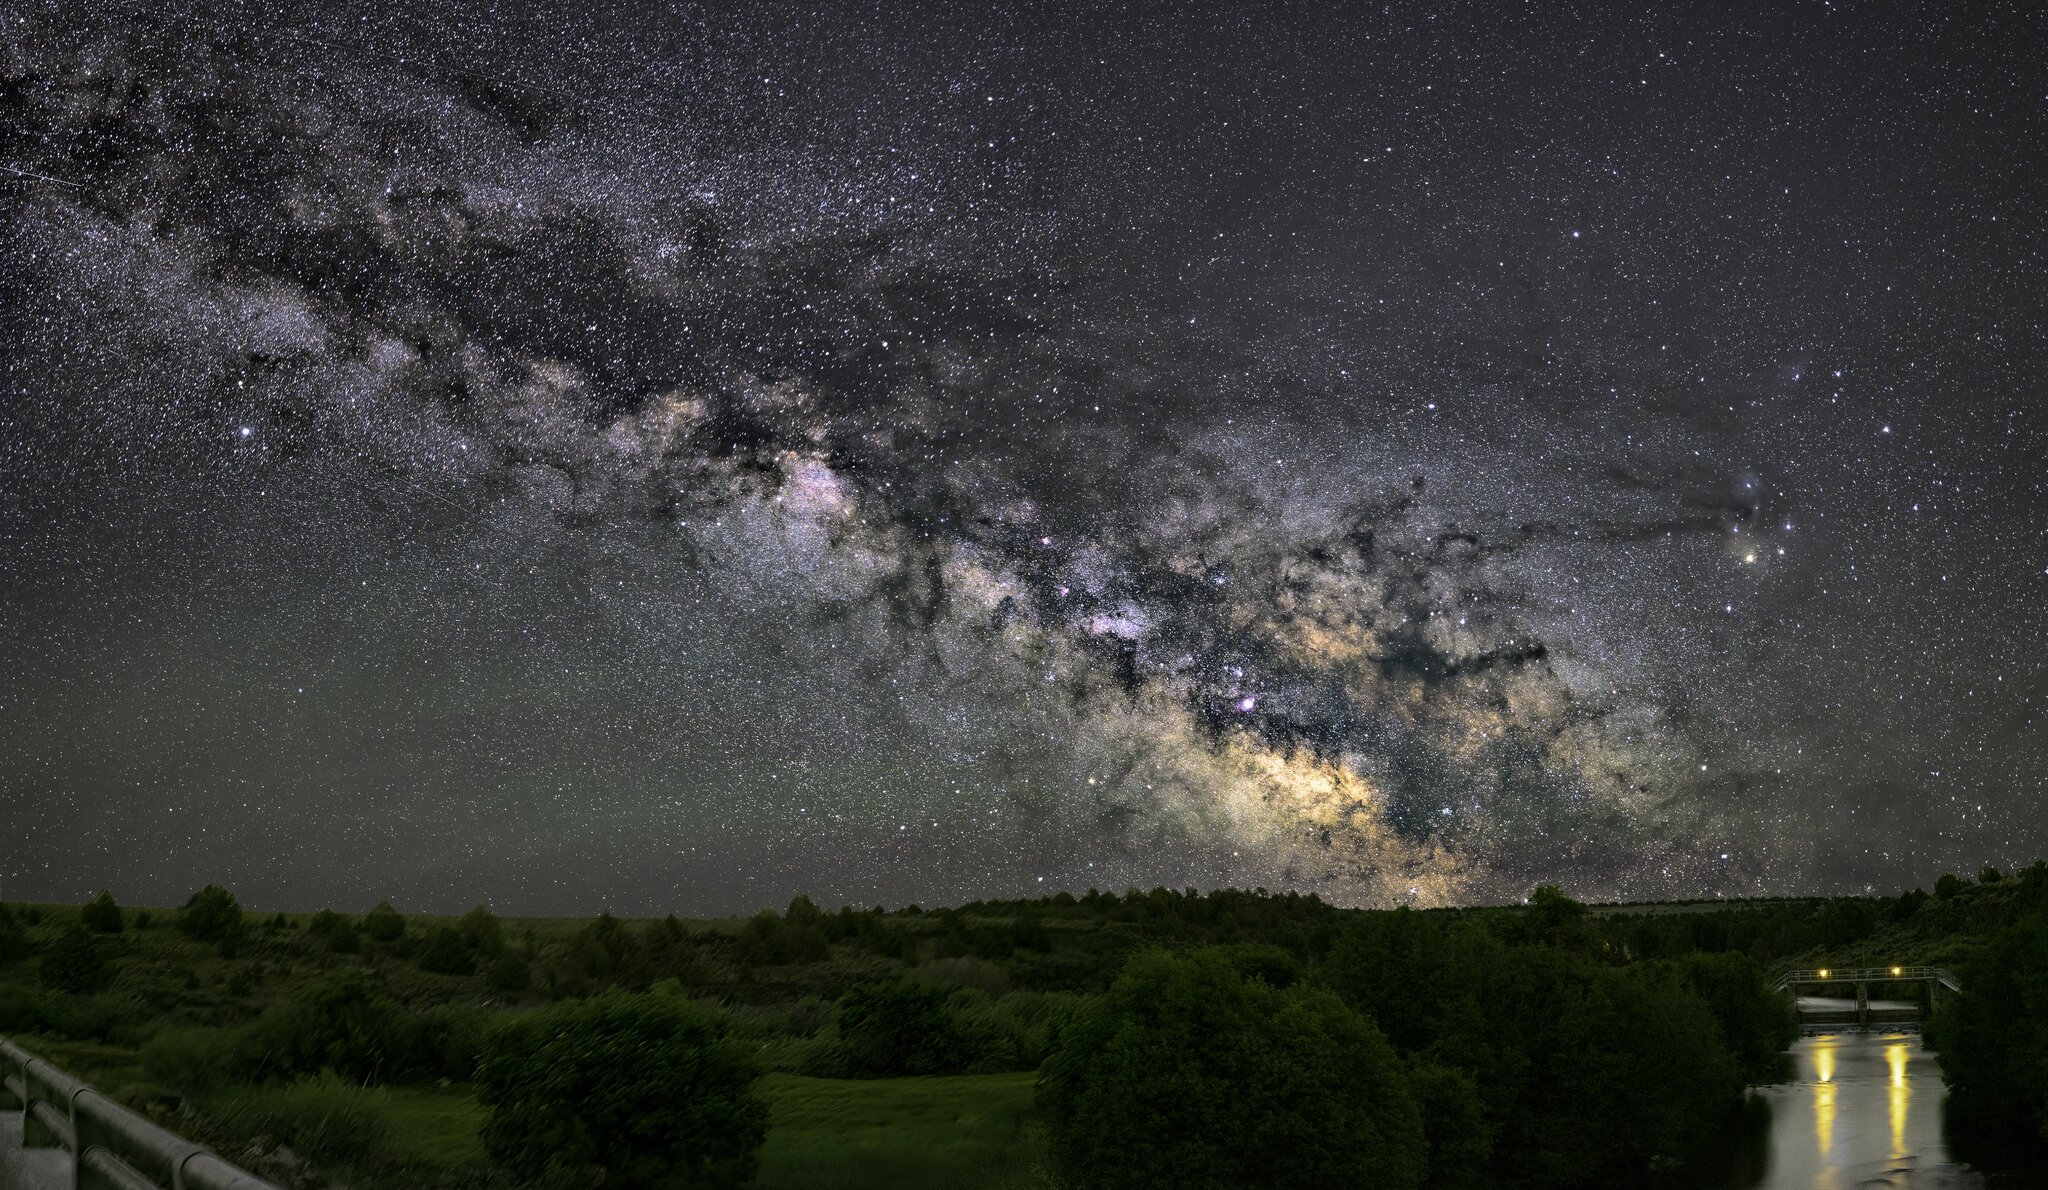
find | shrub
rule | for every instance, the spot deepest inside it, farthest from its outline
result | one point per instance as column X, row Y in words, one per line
column 324, row 923
column 73, row 963
column 194, row 1062
column 212, row 915
column 479, row 928
column 445, row 952
column 632, row 1090
column 101, row 915
column 510, row 972
column 382, row 924
column 341, row 939
column 888, row 1029
column 1187, row 1074
column 323, row 1116
column 344, row 1022
column 13, row 939
column 453, row 1039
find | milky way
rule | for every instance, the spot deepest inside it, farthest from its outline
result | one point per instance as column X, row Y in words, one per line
column 671, row 460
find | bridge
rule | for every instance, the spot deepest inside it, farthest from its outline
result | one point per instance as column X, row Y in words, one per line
column 56, row 1133
column 1820, row 1013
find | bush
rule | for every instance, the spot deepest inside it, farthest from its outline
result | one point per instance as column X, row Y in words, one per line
column 630, row 1090
column 1187, row 1074
column 889, row 1029
column 212, row 915
column 382, row 924
column 344, row 1022
column 193, row 1062
column 73, row 963
column 324, row 923
column 479, row 928
column 510, row 972
column 342, row 938
column 445, row 952
column 101, row 915
column 453, row 1039
column 323, row 1116
column 13, row 939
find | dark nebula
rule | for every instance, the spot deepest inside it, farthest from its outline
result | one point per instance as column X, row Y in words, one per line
column 675, row 458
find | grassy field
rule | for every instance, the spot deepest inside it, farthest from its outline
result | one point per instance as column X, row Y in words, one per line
column 963, row 1132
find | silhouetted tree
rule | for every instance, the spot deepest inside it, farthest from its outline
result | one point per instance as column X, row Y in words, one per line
column 480, row 928
column 212, row 915
column 383, row 924
column 101, row 915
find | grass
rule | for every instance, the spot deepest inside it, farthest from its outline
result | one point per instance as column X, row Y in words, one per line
column 963, row 1132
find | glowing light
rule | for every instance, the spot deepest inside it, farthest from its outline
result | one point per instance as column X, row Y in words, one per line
column 1900, row 1098
column 1247, row 705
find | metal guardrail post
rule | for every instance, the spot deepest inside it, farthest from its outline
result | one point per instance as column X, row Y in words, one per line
column 112, row 1148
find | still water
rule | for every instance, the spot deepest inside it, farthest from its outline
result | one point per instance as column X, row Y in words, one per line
column 1863, row 1111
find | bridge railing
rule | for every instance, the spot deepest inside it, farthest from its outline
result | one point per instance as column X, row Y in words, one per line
column 1898, row 974
column 111, row 1147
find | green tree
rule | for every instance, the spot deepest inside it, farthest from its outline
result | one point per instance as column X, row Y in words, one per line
column 212, row 915
column 603, row 954
column 73, row 963
column 1454, row 1122
column 479, row 927
column 382, row 924
column 101, row 915
column 345, row 1022
column 1553, row 916
column 628, row 1090
column 1948, row 884
column 888, row 1029
column 1992, row 1038
column 1187, row 1074
column 1756, row 1022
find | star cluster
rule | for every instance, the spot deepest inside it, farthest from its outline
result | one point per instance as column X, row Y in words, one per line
column 677, row 459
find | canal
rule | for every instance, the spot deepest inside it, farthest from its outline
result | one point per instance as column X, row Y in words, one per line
column 1864, row 1110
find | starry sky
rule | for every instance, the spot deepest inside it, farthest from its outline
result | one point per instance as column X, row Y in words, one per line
column 672, row 457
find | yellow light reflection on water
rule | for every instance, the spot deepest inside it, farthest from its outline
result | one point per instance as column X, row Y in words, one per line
column 1824, row 1098
column 1895, row 1057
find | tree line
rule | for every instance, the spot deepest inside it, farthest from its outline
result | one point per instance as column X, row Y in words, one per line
column 1230, row 1038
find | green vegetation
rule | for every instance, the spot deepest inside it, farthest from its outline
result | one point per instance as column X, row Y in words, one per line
column 1534, row 1043
column 622, row 1090
column 1230, row 1082
column 945, row 1133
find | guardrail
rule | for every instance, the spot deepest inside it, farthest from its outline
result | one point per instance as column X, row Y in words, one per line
column 1899, row 974
column 111, row 1147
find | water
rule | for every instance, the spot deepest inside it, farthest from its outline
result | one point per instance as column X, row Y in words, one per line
column 1863, row 1113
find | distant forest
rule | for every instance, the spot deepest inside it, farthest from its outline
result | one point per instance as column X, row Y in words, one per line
column 1184, row 1039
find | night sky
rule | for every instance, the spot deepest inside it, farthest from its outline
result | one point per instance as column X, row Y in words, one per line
column 672, row 458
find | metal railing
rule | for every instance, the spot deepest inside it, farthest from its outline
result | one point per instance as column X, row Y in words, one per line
column 1899, row 974
column 111, row 1147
